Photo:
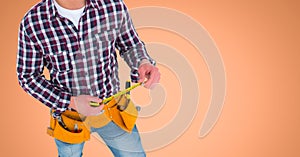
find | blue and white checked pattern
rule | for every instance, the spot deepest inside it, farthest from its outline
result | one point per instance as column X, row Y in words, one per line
column 80, row 61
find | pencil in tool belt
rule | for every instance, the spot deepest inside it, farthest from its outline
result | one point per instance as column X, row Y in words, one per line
column 106, row 100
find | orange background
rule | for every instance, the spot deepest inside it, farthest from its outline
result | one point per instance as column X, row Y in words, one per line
column 259, row 43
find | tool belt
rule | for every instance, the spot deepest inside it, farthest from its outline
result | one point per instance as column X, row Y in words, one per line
column 71, row 127
column 120, row 110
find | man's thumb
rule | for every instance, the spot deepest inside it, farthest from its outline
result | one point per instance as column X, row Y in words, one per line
column 95, row 99
column 141, row 75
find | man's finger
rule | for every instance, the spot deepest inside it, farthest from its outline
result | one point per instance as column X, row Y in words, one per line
column 149, row 80
column 155, row 77
column 142, row 74
column 141, row 78
column 94, row 99
column 155, row 81
column 152, row 78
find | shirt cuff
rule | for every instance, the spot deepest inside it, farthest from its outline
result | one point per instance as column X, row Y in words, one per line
column 144, row 61
column 63, row 104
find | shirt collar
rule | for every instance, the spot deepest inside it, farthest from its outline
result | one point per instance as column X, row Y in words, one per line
column 53, row 13
column 91, row 3
column 51, row 9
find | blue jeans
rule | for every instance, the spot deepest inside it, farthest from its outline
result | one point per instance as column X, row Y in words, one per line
column 120, row 142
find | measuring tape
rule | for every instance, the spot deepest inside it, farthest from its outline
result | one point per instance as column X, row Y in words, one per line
column 106, row 100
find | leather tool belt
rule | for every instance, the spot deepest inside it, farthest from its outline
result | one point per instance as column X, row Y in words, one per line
column 71, row 127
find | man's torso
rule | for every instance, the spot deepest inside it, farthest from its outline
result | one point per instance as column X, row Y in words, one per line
column 83, row 60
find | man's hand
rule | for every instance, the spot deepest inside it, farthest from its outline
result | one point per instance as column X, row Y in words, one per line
column 81, row 103
column 149, row 72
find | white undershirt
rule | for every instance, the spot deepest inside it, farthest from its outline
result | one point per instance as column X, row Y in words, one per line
column 73, row 15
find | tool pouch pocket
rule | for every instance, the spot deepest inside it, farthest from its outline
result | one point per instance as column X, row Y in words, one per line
column 127, row 112
column 73, row 131
column 120, row 110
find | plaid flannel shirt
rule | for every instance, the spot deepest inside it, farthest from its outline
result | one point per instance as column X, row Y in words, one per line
column 80, row 61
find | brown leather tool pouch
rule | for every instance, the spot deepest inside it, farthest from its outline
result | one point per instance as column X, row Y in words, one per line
column 69, row 128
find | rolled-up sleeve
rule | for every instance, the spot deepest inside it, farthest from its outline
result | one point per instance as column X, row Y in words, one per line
column 131, row 48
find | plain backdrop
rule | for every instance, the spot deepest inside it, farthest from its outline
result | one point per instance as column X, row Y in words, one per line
column 259, row 44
